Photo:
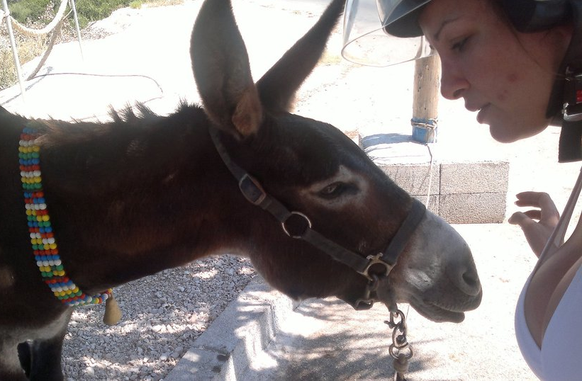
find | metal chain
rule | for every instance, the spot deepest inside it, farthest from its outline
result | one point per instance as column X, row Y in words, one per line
column 400, row 349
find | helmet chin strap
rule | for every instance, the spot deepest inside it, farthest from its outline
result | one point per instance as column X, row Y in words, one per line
column 566, row 97
column 570, row 146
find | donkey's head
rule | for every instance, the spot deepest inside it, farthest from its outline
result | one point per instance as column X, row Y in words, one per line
column 315, row 171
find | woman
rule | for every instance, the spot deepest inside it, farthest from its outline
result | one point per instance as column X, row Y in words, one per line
column 515, row 63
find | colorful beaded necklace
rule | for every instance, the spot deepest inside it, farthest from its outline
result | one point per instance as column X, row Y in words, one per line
column 42, row 237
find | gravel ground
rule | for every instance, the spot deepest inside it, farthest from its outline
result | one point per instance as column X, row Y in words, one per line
column 162, row 316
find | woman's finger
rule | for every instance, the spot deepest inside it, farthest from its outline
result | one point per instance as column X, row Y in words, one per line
column 549, row 214
column 537, row 199
column 535, row 233
column 521, row 219
column 534, row 214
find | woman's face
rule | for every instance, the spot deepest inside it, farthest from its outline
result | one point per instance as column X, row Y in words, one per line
column 504, row 75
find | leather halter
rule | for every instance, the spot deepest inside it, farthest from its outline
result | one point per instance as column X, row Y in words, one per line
column 256, row 195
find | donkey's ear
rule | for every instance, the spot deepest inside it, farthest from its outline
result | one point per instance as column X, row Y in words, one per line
column 278, row 86
column 222, row 72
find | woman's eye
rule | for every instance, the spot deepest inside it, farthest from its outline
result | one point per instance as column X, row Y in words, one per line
column 460, row 45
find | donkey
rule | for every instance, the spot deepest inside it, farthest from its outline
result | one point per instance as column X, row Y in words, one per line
column 143, row 193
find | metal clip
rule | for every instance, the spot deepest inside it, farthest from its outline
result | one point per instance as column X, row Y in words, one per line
column 376, row 260
column 400, row 350
column 366, row 302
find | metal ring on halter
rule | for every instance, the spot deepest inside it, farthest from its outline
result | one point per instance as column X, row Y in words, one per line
column 307, row 225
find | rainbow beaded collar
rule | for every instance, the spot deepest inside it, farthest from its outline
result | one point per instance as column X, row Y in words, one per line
column 42, row 237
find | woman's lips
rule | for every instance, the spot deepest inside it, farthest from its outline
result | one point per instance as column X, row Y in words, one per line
column 481, row 114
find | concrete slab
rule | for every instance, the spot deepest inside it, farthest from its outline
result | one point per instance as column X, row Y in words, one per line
column 241, row 333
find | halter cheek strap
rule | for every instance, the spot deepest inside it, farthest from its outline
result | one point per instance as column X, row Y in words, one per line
column 297, row 225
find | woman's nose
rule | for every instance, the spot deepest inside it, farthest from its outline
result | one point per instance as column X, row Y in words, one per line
column 453, row 82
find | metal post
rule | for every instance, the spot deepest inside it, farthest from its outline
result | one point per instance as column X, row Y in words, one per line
column 74, row 8
column 14, row 50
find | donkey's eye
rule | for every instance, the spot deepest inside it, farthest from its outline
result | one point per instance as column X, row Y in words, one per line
column 335, row 190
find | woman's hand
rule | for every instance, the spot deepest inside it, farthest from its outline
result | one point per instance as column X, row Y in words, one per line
column 537, row 224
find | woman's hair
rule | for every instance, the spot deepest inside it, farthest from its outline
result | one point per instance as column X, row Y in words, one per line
column 499, row 9
column 554, row 14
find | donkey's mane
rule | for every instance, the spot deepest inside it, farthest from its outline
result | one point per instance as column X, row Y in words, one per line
column 130, row 118
column 128, row 115
column 136, row 145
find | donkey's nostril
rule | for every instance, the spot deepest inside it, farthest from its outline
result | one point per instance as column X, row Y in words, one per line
column 471, row 279
column 470, row 283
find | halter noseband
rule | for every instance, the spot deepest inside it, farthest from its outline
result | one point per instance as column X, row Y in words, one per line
column 256, row 195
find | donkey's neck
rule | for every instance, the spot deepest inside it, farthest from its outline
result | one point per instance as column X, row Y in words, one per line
column 131, row 198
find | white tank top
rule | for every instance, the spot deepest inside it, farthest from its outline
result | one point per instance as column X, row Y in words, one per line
column 560, row 358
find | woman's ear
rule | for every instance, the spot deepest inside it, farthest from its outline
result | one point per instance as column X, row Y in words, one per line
column 559, row 40
column 553, row 42
column 564, row 33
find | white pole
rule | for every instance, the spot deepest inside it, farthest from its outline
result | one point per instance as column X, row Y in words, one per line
column 14, row 50
column 72, row 2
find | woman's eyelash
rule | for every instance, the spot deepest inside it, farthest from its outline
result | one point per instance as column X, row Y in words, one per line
column 459, row 46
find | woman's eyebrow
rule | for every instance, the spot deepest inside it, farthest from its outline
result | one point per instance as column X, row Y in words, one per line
column 443, row 24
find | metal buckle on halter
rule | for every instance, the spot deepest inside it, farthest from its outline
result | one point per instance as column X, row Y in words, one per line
column 252, row 189
column 366, row 302
column 376, row 260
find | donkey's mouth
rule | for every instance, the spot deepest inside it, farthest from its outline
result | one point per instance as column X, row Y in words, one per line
column 438, row 313
column 431, row 311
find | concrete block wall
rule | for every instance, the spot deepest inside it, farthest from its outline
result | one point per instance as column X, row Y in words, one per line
column 462, row 191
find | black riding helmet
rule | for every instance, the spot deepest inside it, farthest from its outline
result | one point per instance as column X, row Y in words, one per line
column 408, row 11
column 397, row 20
column 526, row 15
